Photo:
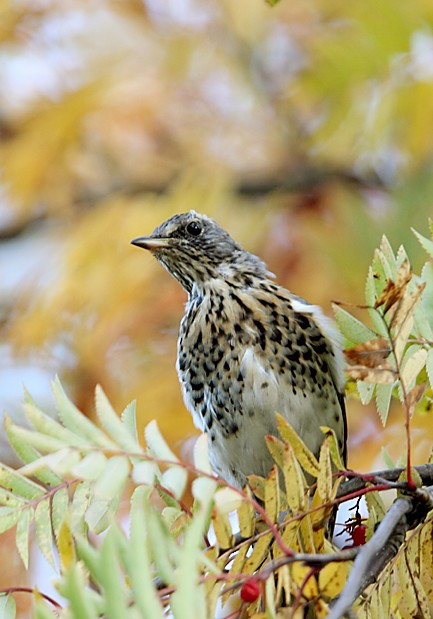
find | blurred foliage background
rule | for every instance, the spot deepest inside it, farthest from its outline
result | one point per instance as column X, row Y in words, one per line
column 304, row 129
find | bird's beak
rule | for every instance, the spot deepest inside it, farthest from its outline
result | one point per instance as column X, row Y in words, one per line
column 150, row 243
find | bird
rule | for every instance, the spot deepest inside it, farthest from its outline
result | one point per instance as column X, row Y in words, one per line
column 247, row 349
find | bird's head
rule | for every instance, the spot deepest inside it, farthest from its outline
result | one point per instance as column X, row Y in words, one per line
column 195, row 249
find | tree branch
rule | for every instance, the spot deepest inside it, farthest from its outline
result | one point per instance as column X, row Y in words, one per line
column 403, row 515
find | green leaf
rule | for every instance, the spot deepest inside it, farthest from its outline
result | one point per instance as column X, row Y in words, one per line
column 107, row 493
column 22, row 535
column 365, row 390
column 75, row 421
column 59, row 508
column 47, row 425
column 156, row 443
column 426, row 243
column 175, row 479
column 8, row 518
column 383, row 400
column 429, row 366
column 9, row 499
column 111, row 578
column 352, row 328
column 75, row 588
column 129, row 420
column 91, row 466
column 7, row 606
column 112, row 424
column 29, row 454
column 42, row 442
column 138, row 559
column 79, row 506
column 44, row 536
column 160, row 541
column 18, row 484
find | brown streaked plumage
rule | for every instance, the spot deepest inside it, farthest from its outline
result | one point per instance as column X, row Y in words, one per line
column 247, row 348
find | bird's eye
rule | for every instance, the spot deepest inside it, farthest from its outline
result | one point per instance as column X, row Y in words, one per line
column 193, row 228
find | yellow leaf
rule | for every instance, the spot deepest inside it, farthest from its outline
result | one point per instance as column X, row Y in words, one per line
column 309, row 588
column 333, row 447
column 223, row 530
column 272, row 495
column 294, row 482
column 246, row 518
column 324, row 479
column 261, row 548
column 306, row 459
column 65, row 546
column 257, row 485
column 332, row 579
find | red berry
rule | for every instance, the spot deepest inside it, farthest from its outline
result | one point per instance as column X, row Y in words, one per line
column 358, row 535
column 250, row 590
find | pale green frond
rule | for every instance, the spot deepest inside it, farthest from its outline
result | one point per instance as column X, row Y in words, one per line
column 44, row 535
column 74, row 420
column 19, row 485
column 22, row 535
column 112, row 423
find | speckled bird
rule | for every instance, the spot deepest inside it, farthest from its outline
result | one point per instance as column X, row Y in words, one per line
column 247, row 348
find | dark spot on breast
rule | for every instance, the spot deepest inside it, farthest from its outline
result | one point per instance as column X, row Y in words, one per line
column 261, row 333
column 302, row 321
column 264, row 385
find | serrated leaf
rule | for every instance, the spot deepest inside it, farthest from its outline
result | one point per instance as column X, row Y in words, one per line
column 257, row 485
column 203, row 489
column 324, row 479
column 47, row 425
column 79, row 505
column 306, row 459
column 8, row 518
column 259, row 554
column 383, row 400
column 129, row 419
column 353, row 329
column 332, row 579
column 19, row 485
column 112, row 424
column 201, row 455
column 156, row 443
column 74, row 420
column 246, row 518
column 272, row 494
column 426, row 243
column 222, row 529
column 138, row 559
column 106, row 494
column 145, row 472
column 22, row 535
column 90, row 467
column 9, row 499
column 175, row 479
column 334, row 451
column 275, row 448
column 29, row 454
column 41, row 442
column 294, row 482
column 161, row 545
column 65, row 546
column 309, row 588
column 429, row 366
column 44, row 535
column 111, row 578
column 366, row 391
column 413, row 362
column 7, row 607
column 75, row 588
column 59, row 508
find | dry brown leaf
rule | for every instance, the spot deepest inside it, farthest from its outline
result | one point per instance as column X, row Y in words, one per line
column 370, row 354
column 394, row 291
column 381, row 375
